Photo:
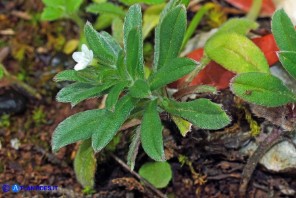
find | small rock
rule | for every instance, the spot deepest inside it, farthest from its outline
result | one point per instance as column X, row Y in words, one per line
column 15, row 143
column 11, row 102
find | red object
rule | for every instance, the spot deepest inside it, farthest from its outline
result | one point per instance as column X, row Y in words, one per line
column 215, row 75
column 267, row 9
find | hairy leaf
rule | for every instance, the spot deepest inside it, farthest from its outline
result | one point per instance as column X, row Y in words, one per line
column 133, row 149
column 114, row 95
column 202, row 113
column 171, row 72
column 150, row 2
column 101, row 45
column 288, row 59
column 112, row 121
column 85, row 164
column 151, row 133
column 78, row 92
column 134, row 54
column 140, row 89
column 262, row 89
column 77, row 127
column 236, row 53
column 169, row 36
column 283, row 31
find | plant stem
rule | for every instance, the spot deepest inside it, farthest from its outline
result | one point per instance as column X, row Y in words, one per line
column 195, row 22
column 255, row 10
column 12, row 79
column 203, row 63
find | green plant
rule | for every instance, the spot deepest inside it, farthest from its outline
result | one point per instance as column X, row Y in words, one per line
column 39, row 116
column 267, row 90
column 120, row 74
column 57, row 9
column 159, row 174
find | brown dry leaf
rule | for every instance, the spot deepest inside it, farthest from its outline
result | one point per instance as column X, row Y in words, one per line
column 129, row 183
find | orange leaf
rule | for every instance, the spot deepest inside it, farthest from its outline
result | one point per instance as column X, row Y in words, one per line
column 267, row 9
column 215, row 75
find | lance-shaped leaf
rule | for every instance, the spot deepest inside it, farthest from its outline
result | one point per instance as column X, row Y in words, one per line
column 111, row 123
column 101, row 45
column 134, row 54
column 151, row 133
column 202, row 113
column 236, row 53
column 85, row 164
column 261, row 89
column 134, row 148
column 114, row 95
column 140, row 89
column 172, row 71
column 86, row 75
column 77, row 127
column 78, row 92
column 133, row 42
column 169, row 6
column 283, row 31
column 288, row 59
column 169, row 36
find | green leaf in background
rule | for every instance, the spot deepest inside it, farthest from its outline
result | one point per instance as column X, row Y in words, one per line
column 202, row 113
column 151, row 133
column 73, row 5
column 55, row 9
column 114, row 94
column 77, row 127
column 288, row 59
column 151, row 18
column 110, row 124
column 134, row 54
column 104, row 21
column 52, row 13
column 149, row 2
column 140, row 89
column 133, row 42
column 1, row 71
column 105, row 8
column 236, row 53
column 77, row 92
column 159, row 174
column 237, row 25
column 283, row 31
column 101, row 45
column 85, row 164
column 172, row 71
column 183, row 125
column 117, row 27
column 262, row 89
column 170, row 36
column 134, row 148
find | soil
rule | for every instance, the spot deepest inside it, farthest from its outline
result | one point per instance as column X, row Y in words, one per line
column 212, row 165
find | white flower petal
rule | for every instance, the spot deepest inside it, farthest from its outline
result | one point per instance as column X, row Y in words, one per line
column 77, row 56
column 84, row 48
column 83, row 58
column 80, row 66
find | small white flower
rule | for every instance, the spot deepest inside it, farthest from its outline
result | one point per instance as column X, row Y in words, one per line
column 15, row 143
column 83, row 58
